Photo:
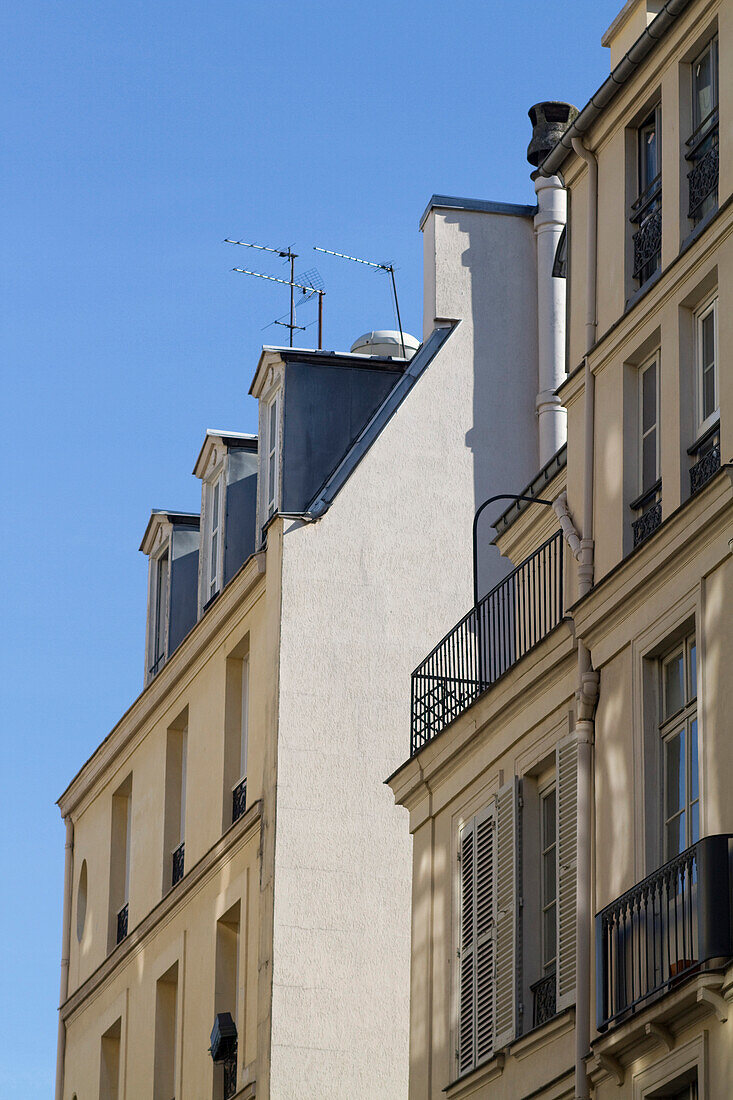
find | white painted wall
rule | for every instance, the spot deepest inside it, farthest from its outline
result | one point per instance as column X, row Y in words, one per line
column 367, row 591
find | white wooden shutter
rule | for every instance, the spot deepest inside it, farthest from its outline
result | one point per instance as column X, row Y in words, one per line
column 567, row 868
column 476, row 952
column 467, row 951
column 507, row 816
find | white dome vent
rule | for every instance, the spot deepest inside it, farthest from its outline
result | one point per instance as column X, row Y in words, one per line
column 385, row 342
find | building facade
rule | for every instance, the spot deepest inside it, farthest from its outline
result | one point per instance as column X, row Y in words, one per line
column 567, row 786
column 231, row 846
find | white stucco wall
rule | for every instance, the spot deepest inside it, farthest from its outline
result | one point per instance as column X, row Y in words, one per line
column 366, row 593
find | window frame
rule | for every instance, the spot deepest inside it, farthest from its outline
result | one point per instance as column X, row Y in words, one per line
column 654, row 361
column 710, row 305
column 272, row 456
column 711, row 47
column 647, row 192
column 212, row 585
column 545, row 792
column 670, row 726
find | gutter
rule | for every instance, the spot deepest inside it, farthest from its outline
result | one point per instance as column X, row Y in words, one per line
column 608, row 91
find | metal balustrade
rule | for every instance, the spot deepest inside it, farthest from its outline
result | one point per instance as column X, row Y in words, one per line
column 707, row 453
column 544, row 999
column 502, row 627
column 646, row 213
column 665, row 929
column 122, row 922
column 239, row 799
column 703, row 155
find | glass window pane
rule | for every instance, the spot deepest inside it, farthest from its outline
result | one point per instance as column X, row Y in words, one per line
column 271, row 482
column 709, row 402
column 693, row 670
column 676, row 841
column 548, row 877
column 694, row 776
column 674, row 685
column 548, row 819
column 649, row 398
column 215, row 508
column 647, row 154
column 674, row 774
column 548, row 934
column 649, row 460
column 694, row 822
column 273, row 426
column 214, row 557
column 702, row 72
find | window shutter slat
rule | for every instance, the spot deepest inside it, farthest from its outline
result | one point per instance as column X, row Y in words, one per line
column 467, row 978
column 567, row 868
column 485, row 932
column 505, row 1028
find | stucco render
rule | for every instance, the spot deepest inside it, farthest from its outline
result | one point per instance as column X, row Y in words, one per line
column 376, row 582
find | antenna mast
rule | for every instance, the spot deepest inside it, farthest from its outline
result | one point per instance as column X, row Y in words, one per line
column 312, row 276
column 382, row 267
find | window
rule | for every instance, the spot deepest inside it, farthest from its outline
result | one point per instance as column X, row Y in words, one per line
column 239, row 794
column 272, row 457
column 702, row 145
column 646, row 210
column 174, row 820
column 119, row 873
column 164, row 1067
column 678, row 733
column 548, row 886
column 648, row 505
column 706, row 363
column 214, row 547
column 236, row 734
column 109, row 1063
column 226, row 993
column 160, row 615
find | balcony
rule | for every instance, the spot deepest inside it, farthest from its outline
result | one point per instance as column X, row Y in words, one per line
column 239, row 799
column 646, row 213
column 177, row 858
column 703, row 155
column 667, row 928
column 706, row 452
column 505, row 625
column 649, row 505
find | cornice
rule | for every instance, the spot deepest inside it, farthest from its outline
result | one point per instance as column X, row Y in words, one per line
column 248, row 583
column 239, row 834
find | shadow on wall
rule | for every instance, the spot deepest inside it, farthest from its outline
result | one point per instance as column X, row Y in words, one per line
column 502, row 306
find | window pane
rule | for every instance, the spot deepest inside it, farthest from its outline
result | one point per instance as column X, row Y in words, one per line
column 548, row 819
column 709, row 403
column 693, row 670
column 707, row 363
column 214, row 557
column 648, row 154
column 215, row 508
column 676, row 842
column 649, row 460
column 674, row 751
column 271, row 482
column 649, row 398
column 703, row 80
column 694, row 777
column 548, row 877
column 674, row 685
column 549, row 926
column 694, row 822
column 273, row 426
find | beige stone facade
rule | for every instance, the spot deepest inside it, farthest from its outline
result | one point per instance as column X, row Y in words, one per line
column 532, row 974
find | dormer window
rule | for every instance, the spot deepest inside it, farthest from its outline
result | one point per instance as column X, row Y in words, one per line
column 171, row 543
column 273, row 449
column 214, row 508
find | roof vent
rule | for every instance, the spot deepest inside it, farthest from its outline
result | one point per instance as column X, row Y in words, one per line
column 549, row 121
column 385, row 342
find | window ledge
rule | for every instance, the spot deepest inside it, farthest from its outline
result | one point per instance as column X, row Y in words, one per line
column 468, row 1084
column 659, row 1024
column 561, row 1023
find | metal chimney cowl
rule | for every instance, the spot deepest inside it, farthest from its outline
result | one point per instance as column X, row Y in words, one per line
column 549, row 121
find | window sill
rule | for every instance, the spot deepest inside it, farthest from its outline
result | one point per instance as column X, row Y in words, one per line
column 466, row 1086
column 561, row 1023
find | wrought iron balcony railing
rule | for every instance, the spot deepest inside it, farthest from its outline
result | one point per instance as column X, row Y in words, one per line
column 122, row 922
column 239, row 799
column 649, row 504
column 230, row 1077
column 707, row 452
column 666, row 928
column 178, row 857
column 703, row 155
column 646, row 212
column 493, row 636
column 544, row 999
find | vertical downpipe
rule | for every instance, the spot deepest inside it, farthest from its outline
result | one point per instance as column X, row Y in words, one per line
column 65, row 948
column 587, row 679
column 549, row 223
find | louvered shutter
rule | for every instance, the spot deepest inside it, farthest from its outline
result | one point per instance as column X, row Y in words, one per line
column 507, row 806
column 485, row 932
column 567, row 868
column 467, row 951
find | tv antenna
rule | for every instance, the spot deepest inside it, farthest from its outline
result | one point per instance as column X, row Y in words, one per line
column 382, row 267
column 310, row 284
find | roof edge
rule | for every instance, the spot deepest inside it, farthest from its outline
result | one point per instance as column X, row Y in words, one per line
column 477, row 206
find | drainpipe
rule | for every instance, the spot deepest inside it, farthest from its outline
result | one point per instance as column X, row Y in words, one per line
column 65, row 945
column 587, row 694
column 549, row 222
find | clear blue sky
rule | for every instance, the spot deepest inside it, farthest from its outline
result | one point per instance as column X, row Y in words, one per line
column 137, row 136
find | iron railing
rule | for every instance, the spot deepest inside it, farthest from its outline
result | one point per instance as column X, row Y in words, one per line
column 178, row 857
column 122, row 922
column 157, row 665
column 703, row 154
column 230, row 1076
column 544, row 999
column 707, row 453
column 649, row 504
column 493, row 636
column 646, row 212
column 239, row 799
column 664, row 929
